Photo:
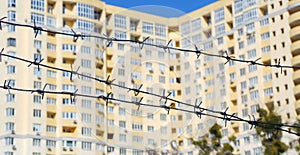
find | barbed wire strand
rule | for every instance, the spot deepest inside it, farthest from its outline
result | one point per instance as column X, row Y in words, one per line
column 167, row 48
column 108, row 99
column 225, row 115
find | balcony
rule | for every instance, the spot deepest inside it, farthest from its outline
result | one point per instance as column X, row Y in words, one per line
column 296, row 77
column 295, row 48
column 294, row 5
column 296, row 60
column 297, row 107
column 297, row 92
column 294, row 19
column 109, row 51
column 266, row 58
column 295, row 33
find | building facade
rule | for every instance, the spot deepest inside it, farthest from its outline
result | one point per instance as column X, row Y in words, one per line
column 252, row 29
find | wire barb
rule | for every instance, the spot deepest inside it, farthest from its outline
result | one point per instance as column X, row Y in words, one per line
column 254, row 62
column 1, row 54
column 36, row 63
column 167, row 46
column 106, row 98
column 143, row 42
column 7, row 86
column 75, row 36
column 73, row 96
column 165, row 97
column 1, row 22
column 197, row 110
column 41, row 91
column 253, row 122
column 198, row 52
column 227, row 117
column 36, row 29
column 107, row 82
column 138, row 103
column 136, row 91
column 74, row 72
column 279, row 66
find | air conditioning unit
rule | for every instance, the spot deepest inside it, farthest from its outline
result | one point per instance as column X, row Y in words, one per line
column 242, row 92
column 14, row 147
column 64, row 149
column 98, row 125
column 49, row 149
column 251, row 87
column 71, row 149
column 38, row 134
column 39, row 78
column 13, row 132
column 75, row 122
column 151, row 70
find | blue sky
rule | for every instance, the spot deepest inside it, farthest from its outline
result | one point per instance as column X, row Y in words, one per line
column 167, row 8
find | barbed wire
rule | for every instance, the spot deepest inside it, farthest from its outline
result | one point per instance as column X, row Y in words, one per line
column 141, row 44
column 197, row 109
column 109, row 99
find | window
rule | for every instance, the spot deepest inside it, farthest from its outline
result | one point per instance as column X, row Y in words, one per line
column 258, row 151
column 85, row 10
column 244, row 98
column 268, row 77
column 253, row 81
column 150, row 128
column 185, row 28
column 220, row 29
column 11, row 42
column 122, row 111
column 11, row 69
column 247, row 140
column 252, row 54
column 120, row 35
column 268, row 91
column 160, row 30
column 36, row 127
column 10, row 112
column 69, row 47
column 120, row 21
column 84, row 25
column 264, row 22
column 137, row 126
column 196, row 25
column 9, row 126
column 137, row 139
column 245, row 126
column 9, row 141
column 163, row 117
column 86, row 131
column 254, row 109
column 50, row 143
column 37, row 5
column 122, row 124
column 86, row 145
column 37, row 113
column 69, row 143
column 10, row 98
column 51, row 22
column 265, row 36
column 122, row 138
column 122, row 151
column 36, row 142
column 69, row 115
column 251, row 40
column 86, row 117
column 121, row 72
column 11, row 15
column 252, row 68
column 86, row 90
column 219, row 15
column 11, row 3
column 254, row 95
column 37, row 18
column 265, row 49
column 147, row 27
column 238, row 6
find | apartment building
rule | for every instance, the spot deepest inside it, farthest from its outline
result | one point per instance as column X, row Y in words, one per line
column 56, row 124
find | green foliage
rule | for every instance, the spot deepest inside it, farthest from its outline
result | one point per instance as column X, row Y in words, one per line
column 270, row 135
column 215, row 131
column 208, row 145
